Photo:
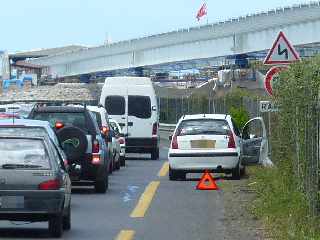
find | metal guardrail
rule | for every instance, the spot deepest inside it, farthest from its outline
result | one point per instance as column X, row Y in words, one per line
column 167, row 127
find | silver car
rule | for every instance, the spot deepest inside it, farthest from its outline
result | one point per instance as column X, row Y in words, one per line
column 34, row 183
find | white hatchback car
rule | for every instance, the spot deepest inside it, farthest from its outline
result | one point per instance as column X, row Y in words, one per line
column 213, row 142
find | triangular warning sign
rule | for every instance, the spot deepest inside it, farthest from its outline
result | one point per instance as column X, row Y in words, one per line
column 207, row 182
column 282, row 52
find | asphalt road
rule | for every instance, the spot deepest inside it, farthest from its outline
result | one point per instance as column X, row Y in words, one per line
column 168, row 210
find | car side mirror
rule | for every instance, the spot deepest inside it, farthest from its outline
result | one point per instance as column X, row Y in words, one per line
column 170, row 137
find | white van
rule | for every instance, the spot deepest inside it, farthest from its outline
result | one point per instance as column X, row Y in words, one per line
column 132, row 102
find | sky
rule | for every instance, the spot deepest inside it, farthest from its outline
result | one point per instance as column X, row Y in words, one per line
column 35, row 24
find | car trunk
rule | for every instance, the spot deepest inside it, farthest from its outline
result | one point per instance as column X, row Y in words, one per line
column 19, row 179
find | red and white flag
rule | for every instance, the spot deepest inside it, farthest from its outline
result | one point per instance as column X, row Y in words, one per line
column 202, row 11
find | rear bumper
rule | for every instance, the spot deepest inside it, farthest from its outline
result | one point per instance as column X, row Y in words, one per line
column 199, row 161
column 141, row 145
column 88, row 171
column 34, row 205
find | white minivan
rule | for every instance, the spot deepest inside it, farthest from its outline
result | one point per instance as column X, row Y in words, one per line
column 132, row 102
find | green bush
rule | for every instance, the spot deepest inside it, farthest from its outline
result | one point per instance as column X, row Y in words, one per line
column 240, row 116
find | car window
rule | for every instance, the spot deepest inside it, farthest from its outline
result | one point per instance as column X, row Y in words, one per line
column 76, row 119
column 27, row 153
column 253, row 129
column 139, row 106
column 115, row 105
column 203, row 127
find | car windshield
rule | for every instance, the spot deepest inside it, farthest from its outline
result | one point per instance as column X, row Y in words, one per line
column 203, row 127
column 28, row 132
column 23, row 153
column 75, row 118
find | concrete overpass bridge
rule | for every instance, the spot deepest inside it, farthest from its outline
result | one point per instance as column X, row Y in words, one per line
column 207, row 45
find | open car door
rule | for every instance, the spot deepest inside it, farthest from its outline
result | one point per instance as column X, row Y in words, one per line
column 254, row 143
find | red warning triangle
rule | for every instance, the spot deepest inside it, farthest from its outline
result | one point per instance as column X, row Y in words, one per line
column 207, row 182
column 282, row 52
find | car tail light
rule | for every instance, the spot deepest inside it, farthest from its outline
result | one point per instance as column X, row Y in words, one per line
column 105, row 130
column 95, row 146
column 95, row 159
column 121, row 140
column 155, row 129
column 53, row 184
column 231, row 143
column 174, row 142
column 59, row 125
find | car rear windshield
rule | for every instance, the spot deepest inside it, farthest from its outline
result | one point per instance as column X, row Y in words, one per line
column 203, row 127
column 139, row 106
column 115, row 105
column 75, row 118
column 23, row 154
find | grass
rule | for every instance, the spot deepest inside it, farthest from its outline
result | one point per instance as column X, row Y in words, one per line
column 282, row 208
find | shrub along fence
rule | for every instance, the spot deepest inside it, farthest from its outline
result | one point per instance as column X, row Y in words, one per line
column 297, row 94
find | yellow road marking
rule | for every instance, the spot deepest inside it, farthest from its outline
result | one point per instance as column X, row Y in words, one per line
column 164, row 170
column 125, row 235
column 145, row 200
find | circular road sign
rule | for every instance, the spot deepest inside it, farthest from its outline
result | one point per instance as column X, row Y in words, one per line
column 271, row 74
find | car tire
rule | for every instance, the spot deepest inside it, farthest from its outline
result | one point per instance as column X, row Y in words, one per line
column 122, row 161
column 175, row 175
column 118, row 164
column 101, row 186
column 67, row 219
column 242, row 171
column 74, row 153
column 155, row 154
column 56, row 226
column 236, row 173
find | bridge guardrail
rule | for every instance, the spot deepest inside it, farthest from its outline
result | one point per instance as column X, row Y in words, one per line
column 167, row 127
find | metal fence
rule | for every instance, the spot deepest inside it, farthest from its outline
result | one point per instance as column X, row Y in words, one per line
column 172, row 109
column 305, row 134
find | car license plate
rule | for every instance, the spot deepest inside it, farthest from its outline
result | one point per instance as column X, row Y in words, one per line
column 203, row 144
column 12, row 202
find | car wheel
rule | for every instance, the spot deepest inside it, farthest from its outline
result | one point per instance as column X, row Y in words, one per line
column 122, row 161
column 236, row 173
column 155, row 154
column 55, row 226
column 67, row 219
column 118, row 164
column 101, row 185
column 242, row 171
column 111, row 167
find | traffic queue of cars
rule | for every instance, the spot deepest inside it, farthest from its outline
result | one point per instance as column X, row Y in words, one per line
column 53, row 145
column 43, row 155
